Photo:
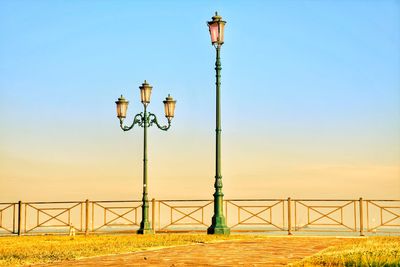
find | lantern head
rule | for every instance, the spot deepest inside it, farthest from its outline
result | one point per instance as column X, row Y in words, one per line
column 216, row 27
column 145, row 92
column 169, row 106
column 122, row 106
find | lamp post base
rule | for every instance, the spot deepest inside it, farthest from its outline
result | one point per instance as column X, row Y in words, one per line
column 218, row 227
column 145, row 229
column 218, row 230
column 145, row 232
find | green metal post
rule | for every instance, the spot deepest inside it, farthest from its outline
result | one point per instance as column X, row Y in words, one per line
column 145, row 119
column 145, row 227
column 218, row 225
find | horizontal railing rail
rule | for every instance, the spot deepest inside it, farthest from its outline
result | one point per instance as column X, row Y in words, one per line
column 286, row 215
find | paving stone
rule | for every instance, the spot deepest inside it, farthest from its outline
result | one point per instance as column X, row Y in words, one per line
column 273, row 251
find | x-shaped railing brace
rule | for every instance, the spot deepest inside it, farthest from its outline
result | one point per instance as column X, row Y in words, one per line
column 325, row 215
column 1, row 218
column 255, row 215
column 52, row 217
column 119, row 216
column 185, row 215
column 396, row 216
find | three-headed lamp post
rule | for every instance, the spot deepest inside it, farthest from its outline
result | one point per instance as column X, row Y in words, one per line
column 218, row 226
column 145, row 119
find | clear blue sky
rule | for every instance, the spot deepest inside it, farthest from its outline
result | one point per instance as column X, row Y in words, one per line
column 308, row 82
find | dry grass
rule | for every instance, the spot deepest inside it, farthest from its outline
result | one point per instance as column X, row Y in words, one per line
column 371, row 252
column 27, row 250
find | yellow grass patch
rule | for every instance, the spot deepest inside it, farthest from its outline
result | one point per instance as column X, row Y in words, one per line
column 44, row 249
column 371, row 251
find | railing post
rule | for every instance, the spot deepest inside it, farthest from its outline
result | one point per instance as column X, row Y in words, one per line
column 153, row 214
column 14, row 214
column 87, row 218
column 289, row 216
column 361, row 217
column 19, row 218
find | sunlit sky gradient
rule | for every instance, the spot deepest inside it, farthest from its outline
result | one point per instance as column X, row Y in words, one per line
column 310, row 99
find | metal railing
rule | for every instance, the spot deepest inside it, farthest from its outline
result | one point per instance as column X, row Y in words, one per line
column 326, row 213
column 289, row 216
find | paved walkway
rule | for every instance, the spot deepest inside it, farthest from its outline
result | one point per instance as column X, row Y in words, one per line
column 274, row 251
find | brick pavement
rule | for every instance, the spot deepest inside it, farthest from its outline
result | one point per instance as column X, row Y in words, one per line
column 273, row 251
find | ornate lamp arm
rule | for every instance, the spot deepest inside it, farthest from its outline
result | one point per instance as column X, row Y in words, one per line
column 139, row 119
column 153, row 119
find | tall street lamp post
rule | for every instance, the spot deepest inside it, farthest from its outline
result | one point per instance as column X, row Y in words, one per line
column 145, row 119
column 218, row 226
